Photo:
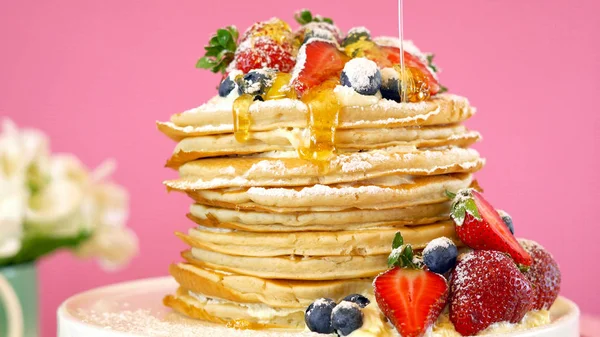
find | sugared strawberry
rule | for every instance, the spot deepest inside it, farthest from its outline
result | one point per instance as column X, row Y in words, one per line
column 264, row 52
column 412, row 299
column 479, row 226
column 486, row 287
column 544, row 275
column 318, row 61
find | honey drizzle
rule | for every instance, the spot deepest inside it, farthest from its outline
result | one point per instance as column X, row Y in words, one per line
column 322, row 119
column 241, row 117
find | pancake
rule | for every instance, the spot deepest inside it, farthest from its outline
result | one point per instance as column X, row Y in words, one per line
column 235, row 315
column 341, row 243
column 282, row 169
column 250, row 289
column 291, row 267
column 318, row 221
column 393, row 192
column 197, row 147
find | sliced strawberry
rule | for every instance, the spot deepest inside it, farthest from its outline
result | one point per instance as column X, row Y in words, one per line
column 318, row 61
column 412, row 299
column 479, row 226
column 487, row 287
column 263, row 52
column 544, row 275
column 388, row 56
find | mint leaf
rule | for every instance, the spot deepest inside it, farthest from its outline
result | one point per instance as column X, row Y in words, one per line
column 398, row 240
column 450, row 195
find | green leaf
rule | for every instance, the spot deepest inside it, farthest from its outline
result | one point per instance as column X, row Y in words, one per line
column 224, row 36
column 402, row 256
column 328, row 20
column 305, row 16
column 443, row 89
column 430, row 62
column 450, row 195
column 205, row 63
column 471, row 208
column 398, row 241
column 36, row 245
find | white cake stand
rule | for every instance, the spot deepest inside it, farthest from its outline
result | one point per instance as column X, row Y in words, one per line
column 135, row 309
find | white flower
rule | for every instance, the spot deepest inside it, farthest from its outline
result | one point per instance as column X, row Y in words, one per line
column 23, row 153
column 57, row 197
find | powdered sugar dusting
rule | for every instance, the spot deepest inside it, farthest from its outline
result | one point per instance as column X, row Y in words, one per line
column 441, row 242
column 360, row 71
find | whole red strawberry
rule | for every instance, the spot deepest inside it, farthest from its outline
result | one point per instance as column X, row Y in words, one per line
column 544, row 275
column 410, row 297
column 264, row 52
column 486, row 287
column 479, row 226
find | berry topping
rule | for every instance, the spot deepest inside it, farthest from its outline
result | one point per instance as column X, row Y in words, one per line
column 486, row 288
column 356, row 34
column 318, row 61
column 358, row 299
column 362, row 75
column 264, row 52
column 390, row 84
column 543, row 274
column 318, row 316
column 440, row 255
column 479, row 226
column 507, row 220
column 256, row 82
column 410, row 297
column 229, row 83
column 346, row 317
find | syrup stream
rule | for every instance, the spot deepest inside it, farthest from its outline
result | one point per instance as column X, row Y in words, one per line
column 401, row 36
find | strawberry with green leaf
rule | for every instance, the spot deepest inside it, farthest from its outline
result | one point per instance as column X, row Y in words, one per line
column 410, row 297
column 479, row 226
column 220, row 50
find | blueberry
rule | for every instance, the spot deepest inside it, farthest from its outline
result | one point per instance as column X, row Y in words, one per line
column 358, row 299
column 256, row 82
column 346, row 317
column 228, row 83
column 440, row 255
column 507, row 220
column 318, row 315
column 356, row 34
column 362, row 75
column 390, row 84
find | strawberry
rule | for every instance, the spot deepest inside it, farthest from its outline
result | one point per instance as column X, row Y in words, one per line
column 487, row 287
column 276, row 29
column 264, row 52
column 479, row 226
column 543, row 274
column 410, row 297
column 318, row 61
column 387, row 56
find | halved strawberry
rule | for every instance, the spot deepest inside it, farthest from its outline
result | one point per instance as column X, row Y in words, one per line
column 317, row 61
column 479, row 226
column 388, row 56
column 487, row 288
column 544, row 275
column 412, row 299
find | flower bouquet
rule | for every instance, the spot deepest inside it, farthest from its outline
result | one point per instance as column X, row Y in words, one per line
column 50, row 202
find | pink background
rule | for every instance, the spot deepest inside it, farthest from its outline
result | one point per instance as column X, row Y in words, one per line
column 96, row 75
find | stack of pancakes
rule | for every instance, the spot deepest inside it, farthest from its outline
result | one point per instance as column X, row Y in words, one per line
column 274, row 232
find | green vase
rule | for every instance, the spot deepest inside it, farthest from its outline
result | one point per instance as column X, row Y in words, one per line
column 19, row 301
